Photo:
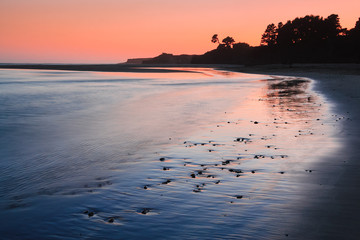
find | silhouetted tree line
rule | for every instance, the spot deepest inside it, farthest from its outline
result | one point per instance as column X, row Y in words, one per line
column 310, row 39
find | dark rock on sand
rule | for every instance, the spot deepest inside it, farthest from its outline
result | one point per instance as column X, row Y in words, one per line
column 167, row 181
column 145, row 211
column 226, row 162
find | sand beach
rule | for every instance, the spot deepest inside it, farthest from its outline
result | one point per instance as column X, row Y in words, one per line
column 332, row 210
column 221, row 153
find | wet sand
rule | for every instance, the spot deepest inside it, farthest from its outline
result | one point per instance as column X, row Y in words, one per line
column 181, row 153
column 330, row 206
column 332, row 209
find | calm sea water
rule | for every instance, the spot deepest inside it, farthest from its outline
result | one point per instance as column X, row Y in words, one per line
column 200, row 154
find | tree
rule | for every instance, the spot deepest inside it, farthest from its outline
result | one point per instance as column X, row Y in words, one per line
column 270, row 36
column 215, row 39
column 309, row 30
column 228, row 42
column 354, row 37
column 355, row 30
column 285, row 34
column 333, row 27
column 280, row 25
column 357, row 25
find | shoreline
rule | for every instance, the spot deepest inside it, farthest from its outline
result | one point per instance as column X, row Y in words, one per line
column 332, row 211
column 271, row 69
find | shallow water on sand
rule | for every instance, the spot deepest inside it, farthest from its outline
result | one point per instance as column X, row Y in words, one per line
column 197, row 154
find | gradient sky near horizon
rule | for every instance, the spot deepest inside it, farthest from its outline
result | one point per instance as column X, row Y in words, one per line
column 110, row 31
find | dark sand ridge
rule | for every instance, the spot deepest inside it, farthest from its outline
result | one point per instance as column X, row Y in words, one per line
column 331, row 209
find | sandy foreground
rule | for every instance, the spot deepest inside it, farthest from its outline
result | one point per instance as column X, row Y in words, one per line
column 332, row 204
column 331, row 212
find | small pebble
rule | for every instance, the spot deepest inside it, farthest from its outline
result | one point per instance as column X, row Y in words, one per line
column 167, row 181
column 145, row 211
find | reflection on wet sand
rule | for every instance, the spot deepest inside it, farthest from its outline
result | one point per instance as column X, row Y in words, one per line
column 245, row 166
column 291, row 96
column 175, row 73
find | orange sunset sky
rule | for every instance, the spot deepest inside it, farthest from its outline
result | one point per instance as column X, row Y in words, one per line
column 110, row 31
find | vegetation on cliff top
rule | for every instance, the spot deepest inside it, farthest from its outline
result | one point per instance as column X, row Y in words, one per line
column 310, row 39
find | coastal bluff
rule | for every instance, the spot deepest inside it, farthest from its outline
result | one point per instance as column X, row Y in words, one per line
column 164, row 58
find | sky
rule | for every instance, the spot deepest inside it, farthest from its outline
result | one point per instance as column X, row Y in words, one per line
column 111, row 31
